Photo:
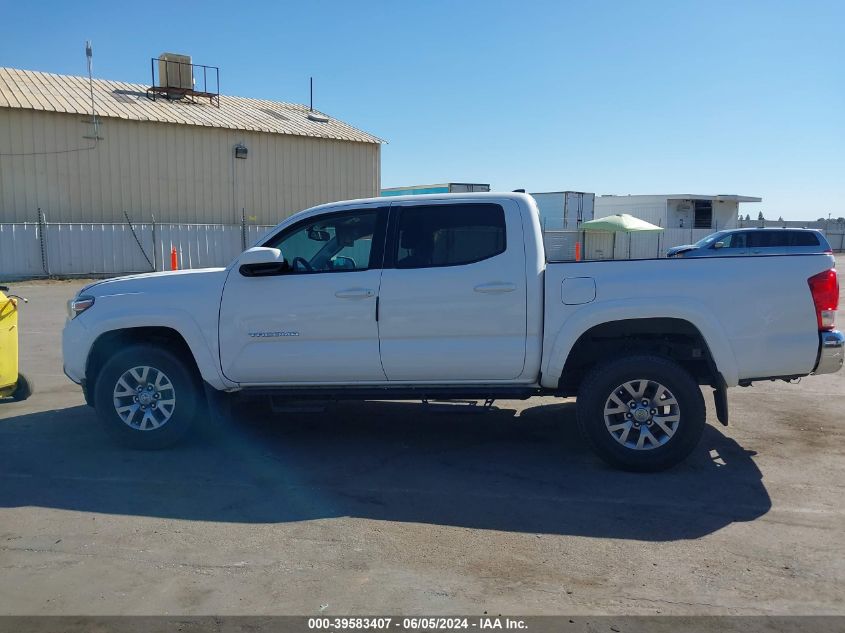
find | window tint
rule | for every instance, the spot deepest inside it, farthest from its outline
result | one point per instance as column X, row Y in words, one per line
column 761, row 239
column 803, row 238
column 449, row 235
column 779, row 238
column 340, row 241
column 775, row 239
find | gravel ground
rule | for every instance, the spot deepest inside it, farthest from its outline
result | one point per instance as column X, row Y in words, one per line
column 387, row 507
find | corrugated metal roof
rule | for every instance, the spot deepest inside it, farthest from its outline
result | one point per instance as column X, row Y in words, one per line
column 33, row 90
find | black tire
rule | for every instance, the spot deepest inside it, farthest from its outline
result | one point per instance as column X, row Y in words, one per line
column 603, row 380
column 23, row 389
column 185, row 387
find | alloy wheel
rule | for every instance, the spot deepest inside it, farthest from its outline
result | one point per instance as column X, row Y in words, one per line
column 642, row 414
column 144, row 398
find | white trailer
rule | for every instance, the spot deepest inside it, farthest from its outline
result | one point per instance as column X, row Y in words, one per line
column 564, row 210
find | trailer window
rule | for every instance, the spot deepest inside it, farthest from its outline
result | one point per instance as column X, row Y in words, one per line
column 703, row 218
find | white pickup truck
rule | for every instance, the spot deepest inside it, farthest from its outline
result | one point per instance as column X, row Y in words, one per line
column 451, row 296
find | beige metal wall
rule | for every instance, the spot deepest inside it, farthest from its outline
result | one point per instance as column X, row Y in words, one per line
column 180, row 173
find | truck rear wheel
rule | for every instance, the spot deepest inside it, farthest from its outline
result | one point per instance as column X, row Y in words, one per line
column 146, row 397
column 641, row 413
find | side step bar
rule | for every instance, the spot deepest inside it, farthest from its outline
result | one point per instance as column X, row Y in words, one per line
column 397, row 392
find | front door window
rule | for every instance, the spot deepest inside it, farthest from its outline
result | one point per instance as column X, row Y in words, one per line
column 341, row 241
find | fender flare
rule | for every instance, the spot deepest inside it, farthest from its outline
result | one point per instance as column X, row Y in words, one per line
column 179, row 321
column 599, row 313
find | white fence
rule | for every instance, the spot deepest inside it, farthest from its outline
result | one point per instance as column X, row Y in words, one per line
column 560, row 245
column 92, row 249
column 837, row 241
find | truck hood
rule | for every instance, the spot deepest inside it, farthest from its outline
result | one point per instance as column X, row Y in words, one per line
column 177, row 281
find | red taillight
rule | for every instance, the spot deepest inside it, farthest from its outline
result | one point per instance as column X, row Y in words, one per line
column 825, row 290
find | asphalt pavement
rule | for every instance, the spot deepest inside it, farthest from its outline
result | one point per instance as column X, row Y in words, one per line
column 393, row 507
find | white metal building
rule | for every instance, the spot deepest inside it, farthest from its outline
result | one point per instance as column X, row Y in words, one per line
column 445, row 187
column 171, row 159
column 677, row 211
column 685, row 217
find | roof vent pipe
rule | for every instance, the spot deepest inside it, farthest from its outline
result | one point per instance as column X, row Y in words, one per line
column 315, row 116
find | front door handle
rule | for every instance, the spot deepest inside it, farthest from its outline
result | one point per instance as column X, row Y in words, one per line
column 495, row 287
column 355, row 293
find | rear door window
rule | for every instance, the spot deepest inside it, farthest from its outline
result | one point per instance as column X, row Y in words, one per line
column 448, row 235
column 768, row 239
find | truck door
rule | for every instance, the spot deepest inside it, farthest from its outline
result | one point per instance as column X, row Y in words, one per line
column 316, row 321
column 452, row 304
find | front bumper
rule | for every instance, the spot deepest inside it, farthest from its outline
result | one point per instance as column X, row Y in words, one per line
column 831, row 352
column 76, row 343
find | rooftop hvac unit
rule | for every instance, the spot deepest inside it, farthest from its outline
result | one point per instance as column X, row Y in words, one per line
column 175, row 71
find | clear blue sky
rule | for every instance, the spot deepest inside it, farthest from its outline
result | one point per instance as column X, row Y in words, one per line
column 740, row 97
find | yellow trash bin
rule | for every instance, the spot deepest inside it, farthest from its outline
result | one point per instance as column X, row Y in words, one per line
column 13, row 384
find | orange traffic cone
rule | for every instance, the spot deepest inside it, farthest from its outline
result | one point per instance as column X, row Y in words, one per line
column 174, row 259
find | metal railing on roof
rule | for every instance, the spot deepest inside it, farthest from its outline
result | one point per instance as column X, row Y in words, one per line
column 181, row 84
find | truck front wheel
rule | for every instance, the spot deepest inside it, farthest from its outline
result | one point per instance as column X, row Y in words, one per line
column 641, row 413
column 146, row 397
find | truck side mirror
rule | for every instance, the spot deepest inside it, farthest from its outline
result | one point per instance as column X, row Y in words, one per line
column 339, row 262
column 260, row 261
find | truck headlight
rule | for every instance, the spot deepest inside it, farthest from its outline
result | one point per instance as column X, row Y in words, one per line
column 79, row 305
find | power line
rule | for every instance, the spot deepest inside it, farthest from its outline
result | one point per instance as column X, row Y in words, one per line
column 89, row 54
column 58, row 151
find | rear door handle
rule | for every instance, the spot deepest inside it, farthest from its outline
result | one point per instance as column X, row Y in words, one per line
column 495, row 287
column 355, row 293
